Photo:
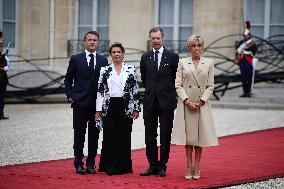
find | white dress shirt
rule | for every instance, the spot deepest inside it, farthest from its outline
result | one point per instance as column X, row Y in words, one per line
column 116, row 89
column 89, row 58
column 161, row 50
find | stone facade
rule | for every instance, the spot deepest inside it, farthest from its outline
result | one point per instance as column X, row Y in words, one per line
column 33, row 28
column 129, row 23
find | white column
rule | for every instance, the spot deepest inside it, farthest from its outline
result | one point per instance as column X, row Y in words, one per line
column 51, row 31
column 95, row 15
column 156, row 12
column 267, row 7
column 1, row 15
column 76, row 19
column 176, row 20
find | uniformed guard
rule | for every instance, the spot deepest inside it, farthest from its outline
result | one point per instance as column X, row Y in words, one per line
column 246, row 50
column 3, row 78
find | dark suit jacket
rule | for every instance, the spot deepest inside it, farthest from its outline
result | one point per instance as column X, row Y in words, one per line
column 3, row 74
column 84, row 90
column 159, row 83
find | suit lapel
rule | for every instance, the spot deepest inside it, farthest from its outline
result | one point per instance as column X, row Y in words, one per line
column 97, row 66
column 200, row 65
column 84, row 63
column 84, row 59
column 193, row 70
column 164, row 59
column 124, row 75
column 151, row 61
column 110, row 71
column 97, row 61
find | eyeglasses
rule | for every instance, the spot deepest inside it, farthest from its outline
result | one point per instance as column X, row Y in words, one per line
column 198, row 45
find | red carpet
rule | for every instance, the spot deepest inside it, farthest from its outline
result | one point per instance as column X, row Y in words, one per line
column 239, row 159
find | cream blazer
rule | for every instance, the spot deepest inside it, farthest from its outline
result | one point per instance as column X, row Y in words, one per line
column 194, row 128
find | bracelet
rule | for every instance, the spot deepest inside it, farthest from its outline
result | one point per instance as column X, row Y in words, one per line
column 187, row 102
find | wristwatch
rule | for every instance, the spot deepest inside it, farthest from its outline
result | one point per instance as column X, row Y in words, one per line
column 186, row 101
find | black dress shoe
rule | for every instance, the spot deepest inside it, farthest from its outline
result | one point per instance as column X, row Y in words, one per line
column 90, row 170
column 109, row 173
column 161, row 173
column 80, row 170
column 4, row 117
column 149, row 172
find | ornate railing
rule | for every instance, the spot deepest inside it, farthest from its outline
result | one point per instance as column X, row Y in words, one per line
column 270, row 66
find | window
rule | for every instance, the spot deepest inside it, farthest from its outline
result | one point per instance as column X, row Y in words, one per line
column 175, row 17
column 265, row 16
column 92, row 15
column 9, row 22
column 185, row 19
column 276, row 17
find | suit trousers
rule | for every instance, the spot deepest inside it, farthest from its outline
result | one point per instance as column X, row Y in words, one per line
column 2, row 96
column 83, row 118
column 151, row 117
column 246, row 70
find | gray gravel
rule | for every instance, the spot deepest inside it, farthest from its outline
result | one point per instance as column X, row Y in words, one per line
column 42, row 132
column 277, row 183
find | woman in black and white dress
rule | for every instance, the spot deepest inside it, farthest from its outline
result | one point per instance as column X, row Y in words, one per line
column 118, row 104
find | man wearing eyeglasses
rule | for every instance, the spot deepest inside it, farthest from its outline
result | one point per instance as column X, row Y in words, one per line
column 158, row 71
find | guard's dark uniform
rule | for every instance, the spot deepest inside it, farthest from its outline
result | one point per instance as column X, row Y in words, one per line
column 246, row 65
column 3, row 83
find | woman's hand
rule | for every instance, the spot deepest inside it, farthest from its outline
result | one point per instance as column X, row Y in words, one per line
column 201, row 102
column 98, row 114
column 192, row 106
column 135, row 115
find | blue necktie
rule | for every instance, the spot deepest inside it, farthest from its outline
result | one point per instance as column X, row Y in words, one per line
column 156, row 59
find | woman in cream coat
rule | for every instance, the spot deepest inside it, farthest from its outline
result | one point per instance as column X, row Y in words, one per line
column 194, row 85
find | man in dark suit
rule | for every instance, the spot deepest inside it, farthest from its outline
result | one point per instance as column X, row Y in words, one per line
column 81, row 83
column 158, row 71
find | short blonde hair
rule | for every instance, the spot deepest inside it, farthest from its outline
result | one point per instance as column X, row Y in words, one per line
column 193, row 38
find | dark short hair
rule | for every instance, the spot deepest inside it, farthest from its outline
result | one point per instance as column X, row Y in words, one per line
column 156, row 29
column 116, row 44
column 93, row 33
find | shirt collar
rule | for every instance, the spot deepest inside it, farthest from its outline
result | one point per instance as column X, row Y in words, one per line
column 161, row 50
column 88, row 53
